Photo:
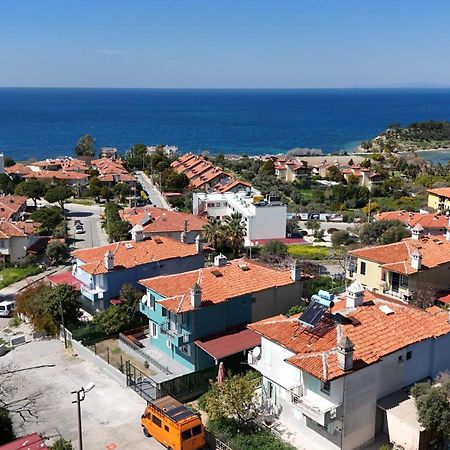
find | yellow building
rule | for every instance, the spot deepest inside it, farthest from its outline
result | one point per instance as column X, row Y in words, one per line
column 404, row 269
column 439, row 199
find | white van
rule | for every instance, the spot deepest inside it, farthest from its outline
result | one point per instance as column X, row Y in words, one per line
column 7, row 308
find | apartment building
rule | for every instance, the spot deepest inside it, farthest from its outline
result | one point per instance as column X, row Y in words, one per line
column 339, row 381
column 366, row 177
column 439, row 199
column 289, row 170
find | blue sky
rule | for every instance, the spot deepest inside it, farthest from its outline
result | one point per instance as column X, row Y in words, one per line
column 224, row 43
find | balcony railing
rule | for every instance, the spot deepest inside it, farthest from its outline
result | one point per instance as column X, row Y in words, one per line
column 92, row 293
column 179, row 336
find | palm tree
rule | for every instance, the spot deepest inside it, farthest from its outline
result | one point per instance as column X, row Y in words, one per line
column 212, row 231
column 235, row 232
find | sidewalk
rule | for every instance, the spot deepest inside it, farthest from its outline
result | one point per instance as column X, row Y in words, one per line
column 156, row 197
column 11, row 290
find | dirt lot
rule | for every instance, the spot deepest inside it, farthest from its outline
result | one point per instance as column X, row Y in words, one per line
column 110, row 413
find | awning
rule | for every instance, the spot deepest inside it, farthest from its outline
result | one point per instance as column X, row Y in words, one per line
column 64, row 278
column 229, row 342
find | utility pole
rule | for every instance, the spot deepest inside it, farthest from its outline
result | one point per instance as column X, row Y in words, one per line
column 81, row 394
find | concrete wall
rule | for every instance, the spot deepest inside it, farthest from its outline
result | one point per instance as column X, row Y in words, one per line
column 269, row 222
column 372, row 276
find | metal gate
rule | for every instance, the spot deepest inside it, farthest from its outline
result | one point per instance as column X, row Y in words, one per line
column 141, row 383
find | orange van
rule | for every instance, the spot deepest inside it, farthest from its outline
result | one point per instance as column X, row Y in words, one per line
column 173, row 424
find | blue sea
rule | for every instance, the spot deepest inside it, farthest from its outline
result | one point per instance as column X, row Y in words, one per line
column 48, row 122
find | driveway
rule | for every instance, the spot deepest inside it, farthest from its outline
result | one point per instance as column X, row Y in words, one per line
column 90, row 216
column 152, row 191
column 110, row 413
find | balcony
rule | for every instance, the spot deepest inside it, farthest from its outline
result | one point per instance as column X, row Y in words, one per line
column 179, row 336
column 320, row 410
column 92, row 293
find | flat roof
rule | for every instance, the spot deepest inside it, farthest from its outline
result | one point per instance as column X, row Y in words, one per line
column 229, row 342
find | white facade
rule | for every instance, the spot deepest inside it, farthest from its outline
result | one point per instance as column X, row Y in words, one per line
column 344, row 414
column 171, row 151
column 263, row 219
column 16, row 247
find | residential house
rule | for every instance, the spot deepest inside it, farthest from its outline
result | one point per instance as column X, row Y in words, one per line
column 109, row 152
column 403, row 269
column 232, row 185
column 12, row 207
column 336, row 382
column 15, row 239
column 321, row 169
column 103, row 270
column 164, row 222
column 366, row 177
column 264, row 219
column 289, row 170
column 432, row 224
column 198, row 318
column 76, row 180
column 171, row 151
column 112, row 171
column 439, row 199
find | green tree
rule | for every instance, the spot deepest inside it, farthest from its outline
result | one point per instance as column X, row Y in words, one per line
column 95, row 186
column 85, row 146
column 6, row 427
column 61, row 444
column 112, row 320
column 7, row 186
column 34, row 189
column 105, row 192
column 297, row 309
column 333, row 173
column 267, row 168
column 383, row 232
column 9, row 161
column 58, row 194
column 341, row 237
column 49, row 218
column 234, row 398
column 57, row 252
column 213, row 232
column 130, row 298
column 118, row 230
column 121, row 191
column 312, row 224
column 234, row 231
column 171, row 179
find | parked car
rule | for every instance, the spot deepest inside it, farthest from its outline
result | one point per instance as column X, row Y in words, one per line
column 7, row 308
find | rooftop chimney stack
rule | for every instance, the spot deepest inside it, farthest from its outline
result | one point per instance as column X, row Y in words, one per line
column 220, row 260
column 355, row 295
column 137, row 233
column 199, row 244
column 344, row 352
column 296, row 272
column 417, row 232
column 416, row 260
column 196, row 296
column 183, row 237
column 109, row 260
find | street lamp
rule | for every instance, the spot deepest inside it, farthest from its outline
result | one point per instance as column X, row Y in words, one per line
column 81, row 394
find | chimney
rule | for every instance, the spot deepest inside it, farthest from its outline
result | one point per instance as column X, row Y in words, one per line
column 196, row 296
column 183, row 236
column 344, row 351
column 416, row 232
column 220, row 260
column 109, row 260
column 355, row 295
column 137, row 233
column 416, row 260
column 199, row 244
column 296, row 272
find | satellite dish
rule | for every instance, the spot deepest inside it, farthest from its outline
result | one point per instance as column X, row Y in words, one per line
column 144, row 299
column 257, row 352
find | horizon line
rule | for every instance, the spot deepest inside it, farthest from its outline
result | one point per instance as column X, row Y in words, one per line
column 418, row 87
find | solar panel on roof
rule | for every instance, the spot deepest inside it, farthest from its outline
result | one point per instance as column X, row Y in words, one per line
column 146, row 220
column 179, row 413
column 313, row 314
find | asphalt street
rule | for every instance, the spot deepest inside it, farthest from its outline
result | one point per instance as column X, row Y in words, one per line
column 154, row 195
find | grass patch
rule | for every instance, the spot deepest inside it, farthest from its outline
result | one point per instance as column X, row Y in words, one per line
column 308, row 252
column 15, row 322
column 83, row 201
column 11, row 275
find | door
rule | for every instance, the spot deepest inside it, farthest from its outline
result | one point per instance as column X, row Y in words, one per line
column 395, row 282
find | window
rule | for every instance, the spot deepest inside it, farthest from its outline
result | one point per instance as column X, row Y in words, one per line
column 166, row 428
column 2, row 244
column 210, row 205
column 404, row 281
column 363, row 268
column 218, row 205
column 325, row 387
column 400, row 358
column 151, row 299
column 409, row 355
column 154, row 330
column 186, row 349
column 196, row 430
column 164, row 312
column 183, row 318
column 186, row 434
column 156, row 420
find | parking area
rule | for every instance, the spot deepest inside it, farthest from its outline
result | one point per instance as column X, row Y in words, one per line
column 110, row 413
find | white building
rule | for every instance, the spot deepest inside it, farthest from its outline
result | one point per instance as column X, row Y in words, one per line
column 336, row 385
column 15, row 239
column 171, row 151
column 264, row 219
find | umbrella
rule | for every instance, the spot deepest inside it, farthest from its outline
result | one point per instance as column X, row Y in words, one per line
column 221, row 373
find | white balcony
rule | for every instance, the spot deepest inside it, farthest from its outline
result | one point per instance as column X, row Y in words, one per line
column 92, row 293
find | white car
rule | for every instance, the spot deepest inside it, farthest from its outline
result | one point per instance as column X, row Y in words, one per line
column 7, row 308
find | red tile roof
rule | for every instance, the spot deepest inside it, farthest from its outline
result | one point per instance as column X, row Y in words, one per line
column 30, row 442
column 17, row 229
column 435, row 251
column 208, row 176
column 231, row 184
column 57, row 174
column 373, row 333
column 18, row 169
column 11, row 205
column 428, row 221
column 441, row 192
column 219, row 284
column 64, row 278
column 162, row 220
column 128, row 254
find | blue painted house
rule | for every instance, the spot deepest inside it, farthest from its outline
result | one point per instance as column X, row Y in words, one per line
column 198, row 318
column 103, row 270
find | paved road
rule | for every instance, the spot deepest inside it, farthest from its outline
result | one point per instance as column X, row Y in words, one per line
column 110, row 413
column 94, row 235
column 155, row 196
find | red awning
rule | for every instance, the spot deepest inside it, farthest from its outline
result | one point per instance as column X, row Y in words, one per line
column 64, row 278
column 30, row 442
column 229, row 342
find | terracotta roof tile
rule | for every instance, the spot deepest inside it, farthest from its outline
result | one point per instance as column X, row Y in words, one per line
column 232, row 183
column 427, row 221
column 441, row 192
column 17, row 229
column 10, row 205
column 57, row 174
column 373, row 333
column 219, row 284
column 128, row 254
column 162, row 220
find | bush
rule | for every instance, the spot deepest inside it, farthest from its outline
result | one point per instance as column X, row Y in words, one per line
column 112, row 320
column 6, row 427
column 308, row 252
column 341, row 237
column 11, row 275
column 88, row 334
column 61, row 444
